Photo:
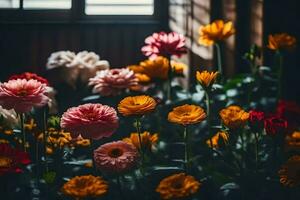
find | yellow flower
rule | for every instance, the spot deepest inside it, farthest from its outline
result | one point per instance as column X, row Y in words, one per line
column 87, row 186
column 281, row 41
column 186, row 114
column 215, row 139
column 136, row 105
column 30, row 125
column 214, row 32
column 206, row 79
column 293, row 141
column 234, row 117
column 156, row 69
column 143, row 78
column 3, row 141
column 178, row 67
column 81, row 142
column 148, row 140
column 178, row 186
column 290, row 172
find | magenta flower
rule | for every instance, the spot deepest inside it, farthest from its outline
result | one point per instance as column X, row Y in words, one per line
column 22, row 95
column 112, row 82
column 164, row 44
column 91, row 121
column 115, row 157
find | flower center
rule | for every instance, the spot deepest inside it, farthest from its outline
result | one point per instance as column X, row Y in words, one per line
column 22, row 92
column 5, row 161
column 177, row 184
column 115, row 153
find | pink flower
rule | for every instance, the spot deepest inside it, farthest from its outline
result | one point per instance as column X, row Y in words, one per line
column 115, row 157
column 91, row 121
column 22, row 95
column 164, row 44
column 113, row 81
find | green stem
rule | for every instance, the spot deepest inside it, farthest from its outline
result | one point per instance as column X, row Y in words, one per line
column 219, row 60
column 45, row 137
column 22, row 116
column 207, row 101
column 186, row 149
column 256, row 151
column 138, row 130
column 120, row 187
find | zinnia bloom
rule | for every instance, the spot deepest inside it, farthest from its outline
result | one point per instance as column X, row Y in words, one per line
column 292, row 141
column 11, row 159
column 215, row 32
column 164, row 44
column 206, row 79
column 282, row 41
column 289, row 172
column 112, row 81
column 186, row 114
column 234, row 117
column 87, row 186
column 178, row 186
column 215, row 140
column 148, row 140
column 91, row 121
column 28, row 76
column 136, row 105
column 256, row 119
column 116, row 157
column 275, row 125
column 22, row 95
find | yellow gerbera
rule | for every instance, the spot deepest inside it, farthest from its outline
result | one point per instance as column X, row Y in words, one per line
column 147, row 140
column 206, row 79
column 136, row 105
column 234, row 117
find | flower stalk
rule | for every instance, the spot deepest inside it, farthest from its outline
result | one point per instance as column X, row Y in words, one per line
column 186, row 149
column 207, row 101
column 22, row 117
column 256, row 151
column 169, row 84
column 280, row 73
column 219, row 60
column 45, row 138
column 138, row 130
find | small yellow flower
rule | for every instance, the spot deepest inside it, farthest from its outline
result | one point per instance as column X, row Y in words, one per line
column 178, row 67
column 206, row 79
column 282, row 41
column 30, row 125
column 290, row 172
column 136, row 105
column 234, row 117
column 186, row 114
column 148, row 140
column 157, row 68
column 215, row 32
column 178, row 186
column 292, row 141
column 215, row 139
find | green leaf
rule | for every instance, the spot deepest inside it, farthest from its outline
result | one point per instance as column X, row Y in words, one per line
column 49, row 177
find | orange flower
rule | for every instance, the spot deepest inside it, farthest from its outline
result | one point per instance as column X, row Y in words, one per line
column 214, row 32
column 206, row 79
column 186, row 114
column 143, row 78
column 282, row 41
column 148, row 140
column 178, row 67
column 293, row 141
column 136, row 105
column 216, row 139
column 289, row 172
column 157, row 68
column 178, row 186
column 234, row 117
column 87, row 186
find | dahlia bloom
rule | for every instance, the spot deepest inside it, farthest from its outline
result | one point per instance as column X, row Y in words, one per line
column 28, row 76
column 281, row 41
column 91, row 121
column 275, row 125
column 137, row 105
column 220, row 137
column 206, row 79
column 164, row 44
column 22, row 95
column 234, row 117
column 112, row 82
column 289, row 172
column 12, row 159
column 116, row 157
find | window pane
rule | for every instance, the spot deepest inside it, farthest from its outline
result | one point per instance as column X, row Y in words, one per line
column 47, row 4
column 9, row 3
column 119, row 7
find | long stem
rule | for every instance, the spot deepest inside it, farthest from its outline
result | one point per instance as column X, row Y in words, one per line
column 256, row 151
column 219, row 60
column 280, row 74
column 45, row 137
column 120, row 187
column 186, row 149
column 22, row 116
column 138, row 130
column 207, row 98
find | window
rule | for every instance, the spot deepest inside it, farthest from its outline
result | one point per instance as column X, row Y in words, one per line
column 9, row 3
column 36, row 4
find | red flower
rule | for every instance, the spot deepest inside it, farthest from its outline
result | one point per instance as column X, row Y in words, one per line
column 289, row 110
column 11, row 159
column 256, row 119
column 275, row 125
column 164, row 44
column 28, row 76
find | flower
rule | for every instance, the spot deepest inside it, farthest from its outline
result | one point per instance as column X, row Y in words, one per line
column 143, row 78
column 186, row 114
column 22, row 95
column 115, row 157
column 256, row 119
column 234, row 117
column 178, row 186
column 136, row 105
column 148, row 140
column 215, row 32
column 215, row 140
column 91, row 121
column 178, row 67
column 281, row 41
column 111, row 82
column 12, row 159
column 290, row 111
column 164, row 44
column 156, row 68
column 290, row 172
column 28, row 76
column 292, row 141
column 206, row 79
column 86, row 186
column 275, row 125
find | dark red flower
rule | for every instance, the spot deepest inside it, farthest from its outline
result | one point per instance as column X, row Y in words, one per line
column 256, row 119
column 275, row 125
column 11, row 159
column 28, row 76
column 164, row 44
column 289, row 110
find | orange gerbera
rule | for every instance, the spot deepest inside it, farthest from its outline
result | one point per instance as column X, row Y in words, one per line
column 234, row 117
column 186, row 114
column 206, row 79
column 148, row 140
column 215, row 140
column 281, row 41
column 178, row 67
column 87, row 186
column 214, row 32
column 136, row 105
column 292, row 141
column 178, row 186
column 290, row 172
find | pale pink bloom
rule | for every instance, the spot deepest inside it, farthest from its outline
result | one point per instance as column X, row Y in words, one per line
column 112, row 82
column 91, row 121
column 116, row 157
column 164, row 44
column 22, row 95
